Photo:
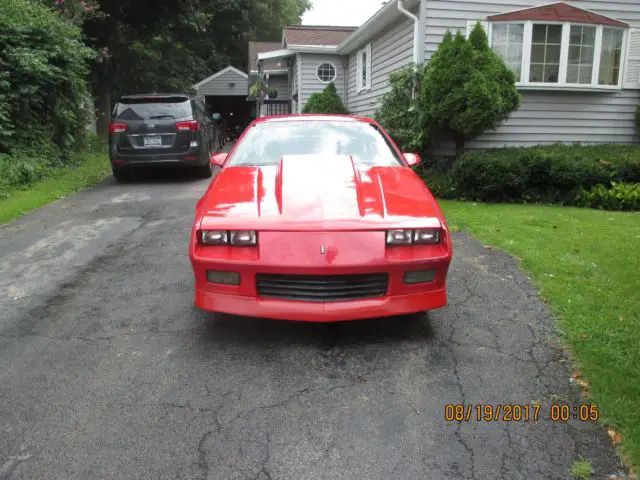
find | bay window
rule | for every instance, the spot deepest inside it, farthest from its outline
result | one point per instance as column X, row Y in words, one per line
column 610, row 56
column 507, row 40
column 560, row 54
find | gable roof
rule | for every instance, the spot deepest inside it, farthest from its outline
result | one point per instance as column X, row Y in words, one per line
column 219, row 73
column 379, row 22
column 557, row 12
column 260, row 47
column 315, row 35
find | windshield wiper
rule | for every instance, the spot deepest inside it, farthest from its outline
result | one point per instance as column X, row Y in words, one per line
column 155, row 117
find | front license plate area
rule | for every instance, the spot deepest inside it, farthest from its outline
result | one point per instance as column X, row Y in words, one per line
column 150, row 141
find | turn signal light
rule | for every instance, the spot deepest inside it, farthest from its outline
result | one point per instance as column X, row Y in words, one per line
column 419, row 276
column 223, row 278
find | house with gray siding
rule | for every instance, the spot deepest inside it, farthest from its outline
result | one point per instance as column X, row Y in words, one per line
column 227, row 82
column 577, row 62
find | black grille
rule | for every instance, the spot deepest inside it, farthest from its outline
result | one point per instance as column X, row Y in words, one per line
column 322, row 288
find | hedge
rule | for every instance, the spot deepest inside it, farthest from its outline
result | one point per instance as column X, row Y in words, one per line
column 44, row 66
column 603, row 176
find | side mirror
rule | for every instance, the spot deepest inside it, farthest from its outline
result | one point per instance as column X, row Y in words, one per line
column 216, row 117
column 218, row 159
column 412, row 159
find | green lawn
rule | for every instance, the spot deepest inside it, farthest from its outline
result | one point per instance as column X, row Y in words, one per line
column 585, row 264
column 62, row 183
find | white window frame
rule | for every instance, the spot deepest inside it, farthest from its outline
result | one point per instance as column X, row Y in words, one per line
column 335, row 72
column 562, row 84
column 360, row 87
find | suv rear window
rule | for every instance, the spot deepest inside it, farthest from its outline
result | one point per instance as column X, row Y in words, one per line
column 163, row 108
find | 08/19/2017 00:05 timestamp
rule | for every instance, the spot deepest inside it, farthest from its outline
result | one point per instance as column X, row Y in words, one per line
column 529, row 412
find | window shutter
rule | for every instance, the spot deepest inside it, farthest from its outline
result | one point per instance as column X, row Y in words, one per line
column 472, row 23
column 369, row 73
column 631, row 77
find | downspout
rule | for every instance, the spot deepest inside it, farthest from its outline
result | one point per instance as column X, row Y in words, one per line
column 416, row 41
column 416, row 31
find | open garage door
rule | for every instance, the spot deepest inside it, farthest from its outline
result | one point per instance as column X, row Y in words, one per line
column 235, row 110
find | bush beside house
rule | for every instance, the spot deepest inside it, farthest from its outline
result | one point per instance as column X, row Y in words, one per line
column 327, row 101
column 466, row 89
column 603, row 176
column 399, row 111
column 43, row 92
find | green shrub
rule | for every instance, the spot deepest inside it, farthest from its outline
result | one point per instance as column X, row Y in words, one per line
column 327, row 101
column 620, row 196
column 492, row 178
column 441, row 185
column 399, row 112
column 466, row 89
column 547, row 174
column 43, row 80
column 22, row 168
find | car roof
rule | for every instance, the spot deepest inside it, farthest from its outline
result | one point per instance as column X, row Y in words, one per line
column 139, row 96
column 314, row 116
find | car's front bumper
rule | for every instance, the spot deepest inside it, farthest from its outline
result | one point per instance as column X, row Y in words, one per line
column 320, row 312
column 294, row 254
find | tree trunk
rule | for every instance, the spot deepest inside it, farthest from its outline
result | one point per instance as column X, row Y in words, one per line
column 103, row 99
column 103, row 105
column 459, row 145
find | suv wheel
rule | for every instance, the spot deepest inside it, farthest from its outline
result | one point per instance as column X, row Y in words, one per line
column 120, row 175
column 205, row 171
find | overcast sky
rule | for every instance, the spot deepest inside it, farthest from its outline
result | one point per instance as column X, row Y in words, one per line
column 350, row 13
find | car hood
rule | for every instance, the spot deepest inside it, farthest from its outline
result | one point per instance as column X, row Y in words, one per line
column 322, row 193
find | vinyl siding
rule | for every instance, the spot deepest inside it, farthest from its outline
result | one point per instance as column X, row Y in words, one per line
column 545, row 116
column 220, row 85
column 281, row 84
column 310, row 82
column 389, row 52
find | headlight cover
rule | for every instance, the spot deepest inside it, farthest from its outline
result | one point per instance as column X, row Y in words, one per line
column 228, row 237
column 409, row 237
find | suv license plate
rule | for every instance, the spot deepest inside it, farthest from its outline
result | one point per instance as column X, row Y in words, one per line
column 152, row 141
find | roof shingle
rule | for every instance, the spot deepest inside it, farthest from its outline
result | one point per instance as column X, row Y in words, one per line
column 260, row 47
column 558, row 12
column 316, row 35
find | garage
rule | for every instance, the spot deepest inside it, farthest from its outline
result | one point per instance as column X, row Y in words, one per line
column 225, row 92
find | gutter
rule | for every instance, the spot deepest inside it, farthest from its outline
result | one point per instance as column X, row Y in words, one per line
column 416, row 31
column 376, row 23
column 293, row 49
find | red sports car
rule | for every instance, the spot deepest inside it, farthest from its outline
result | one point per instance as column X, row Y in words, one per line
column 318, row 218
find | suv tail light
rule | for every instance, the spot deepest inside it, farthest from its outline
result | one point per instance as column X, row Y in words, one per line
column 117, row 127
column 192, row 125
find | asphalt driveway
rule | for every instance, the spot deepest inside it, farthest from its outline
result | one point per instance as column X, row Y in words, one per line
column 108, row 372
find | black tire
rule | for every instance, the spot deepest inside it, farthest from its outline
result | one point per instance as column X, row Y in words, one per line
column 120, row 175
column 204, row 171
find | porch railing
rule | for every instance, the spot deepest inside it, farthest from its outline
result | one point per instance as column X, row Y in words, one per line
column 275, row 107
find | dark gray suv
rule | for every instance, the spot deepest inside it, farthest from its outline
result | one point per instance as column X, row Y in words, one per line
column 161, row 130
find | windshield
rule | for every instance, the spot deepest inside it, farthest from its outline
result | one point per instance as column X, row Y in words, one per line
column 266, row 143
column 152, row 109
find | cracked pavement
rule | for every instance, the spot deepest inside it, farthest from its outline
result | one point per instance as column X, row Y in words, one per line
column 109, row 372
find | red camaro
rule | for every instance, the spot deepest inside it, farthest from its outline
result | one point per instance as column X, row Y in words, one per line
column 318, row 218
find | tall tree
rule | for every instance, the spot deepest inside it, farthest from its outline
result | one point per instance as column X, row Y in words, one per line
column 155, row 45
